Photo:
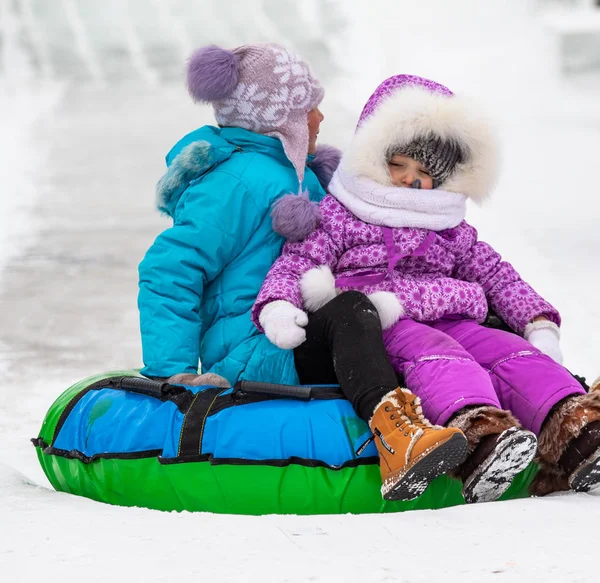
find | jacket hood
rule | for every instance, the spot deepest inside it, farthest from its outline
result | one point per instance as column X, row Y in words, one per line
column 414, row 111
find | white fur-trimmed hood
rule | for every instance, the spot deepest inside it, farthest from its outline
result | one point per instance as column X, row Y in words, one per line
column 416, row 112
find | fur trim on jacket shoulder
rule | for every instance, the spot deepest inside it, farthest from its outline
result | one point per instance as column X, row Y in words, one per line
column 192, row 161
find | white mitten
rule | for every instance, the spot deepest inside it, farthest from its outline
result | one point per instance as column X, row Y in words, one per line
column 545, row 336
column 283, row 324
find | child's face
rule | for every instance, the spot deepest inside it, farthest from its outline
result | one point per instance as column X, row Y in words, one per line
column 404, row 171
column 314, row 118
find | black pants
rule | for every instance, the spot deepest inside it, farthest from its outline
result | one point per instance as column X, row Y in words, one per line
column 344, row 344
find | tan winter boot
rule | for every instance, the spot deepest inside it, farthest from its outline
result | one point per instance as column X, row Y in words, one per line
column 569, row 444
column 499, row 448
column 412, row 451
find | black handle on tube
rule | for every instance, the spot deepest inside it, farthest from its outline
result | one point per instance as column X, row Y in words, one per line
column 302, row 392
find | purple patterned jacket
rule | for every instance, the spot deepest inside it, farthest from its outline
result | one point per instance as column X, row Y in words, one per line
column 433, row 274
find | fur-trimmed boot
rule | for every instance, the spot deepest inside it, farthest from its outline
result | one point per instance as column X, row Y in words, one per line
column 569, row 446
column 412, row 451
column 549, row 479
column 499, row 448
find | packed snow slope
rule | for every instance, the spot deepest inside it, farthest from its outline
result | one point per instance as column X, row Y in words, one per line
column 57, row 537
column 88, row 108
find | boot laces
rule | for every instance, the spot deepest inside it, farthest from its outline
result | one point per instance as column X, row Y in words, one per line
column 408, row 415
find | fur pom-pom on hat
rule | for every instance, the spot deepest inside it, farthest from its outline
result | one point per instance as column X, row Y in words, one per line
column 212, row 73
column 295, row 216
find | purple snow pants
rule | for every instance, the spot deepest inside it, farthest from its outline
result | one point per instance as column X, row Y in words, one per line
column 453, row 363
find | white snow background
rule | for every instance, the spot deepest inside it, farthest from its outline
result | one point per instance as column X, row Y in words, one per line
column 92, row 97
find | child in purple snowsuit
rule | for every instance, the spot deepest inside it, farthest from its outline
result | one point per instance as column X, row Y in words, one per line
column 393, row 227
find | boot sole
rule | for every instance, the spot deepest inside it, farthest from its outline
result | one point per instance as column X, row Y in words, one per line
column 587, row 476
column 514, row 451
column 414, row 481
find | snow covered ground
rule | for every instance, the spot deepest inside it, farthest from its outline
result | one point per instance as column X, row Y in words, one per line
column 78, row 163
column 59, row 537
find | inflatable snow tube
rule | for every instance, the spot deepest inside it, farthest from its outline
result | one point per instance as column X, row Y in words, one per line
column 257, row 449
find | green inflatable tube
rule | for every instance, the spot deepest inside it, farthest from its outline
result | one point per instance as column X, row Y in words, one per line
column 232, row 488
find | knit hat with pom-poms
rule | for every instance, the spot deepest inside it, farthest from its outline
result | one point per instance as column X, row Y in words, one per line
column 266, row 89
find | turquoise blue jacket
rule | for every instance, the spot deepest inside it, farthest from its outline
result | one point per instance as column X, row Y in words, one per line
column 199, row 279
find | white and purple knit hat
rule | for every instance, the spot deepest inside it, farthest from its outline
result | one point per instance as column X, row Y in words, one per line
column 422, row 119
column 264, row 88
